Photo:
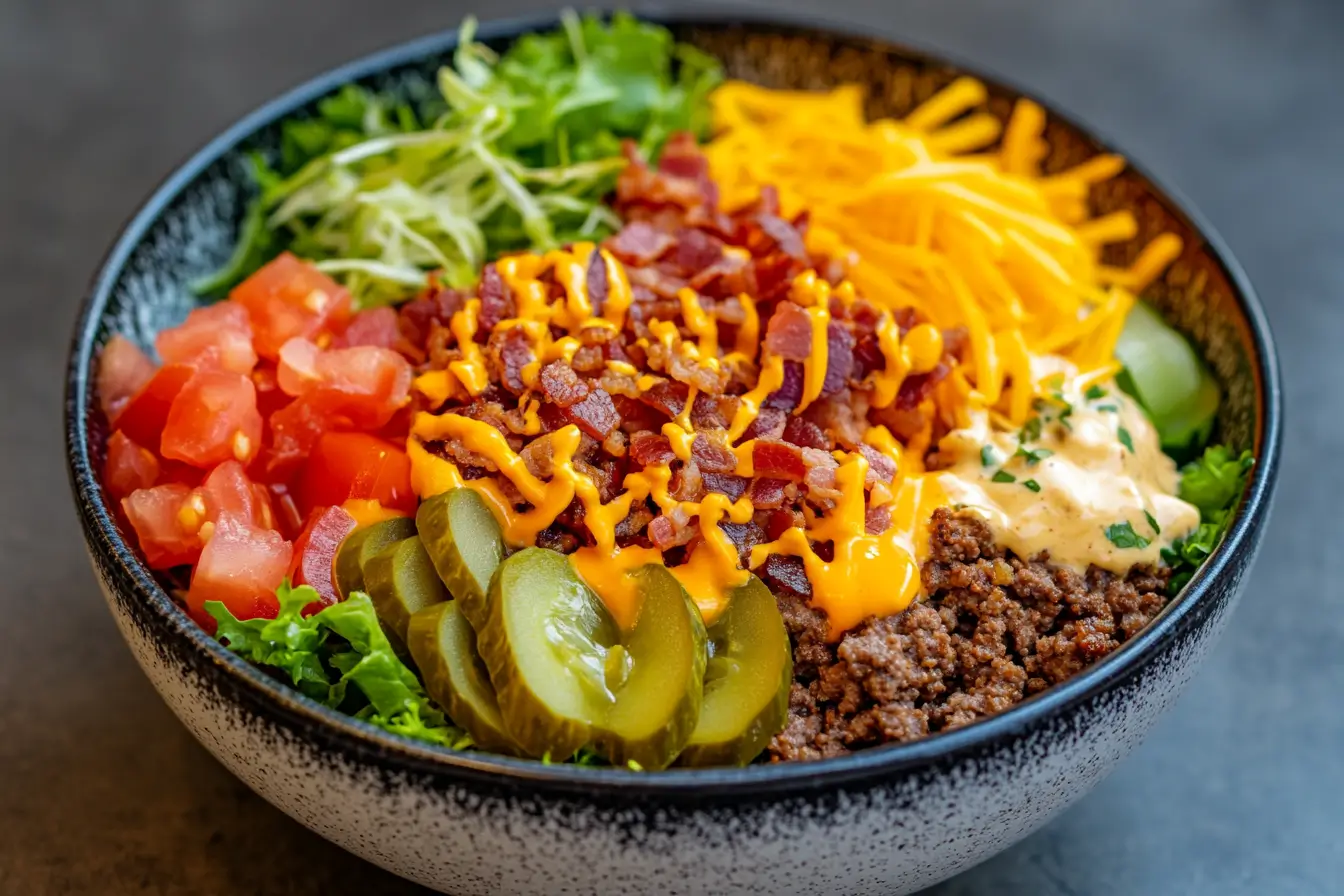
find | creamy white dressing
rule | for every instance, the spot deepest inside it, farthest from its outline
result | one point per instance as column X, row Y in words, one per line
column 1081, row 481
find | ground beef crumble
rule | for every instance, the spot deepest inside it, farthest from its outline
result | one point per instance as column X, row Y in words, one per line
column 993, row 630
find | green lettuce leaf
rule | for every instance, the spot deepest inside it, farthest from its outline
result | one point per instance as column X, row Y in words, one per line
column 1213, row 483
column 341, row 657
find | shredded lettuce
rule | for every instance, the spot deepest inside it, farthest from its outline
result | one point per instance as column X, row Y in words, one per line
column 525, row 149
column 326, row 653
column 1213, row 483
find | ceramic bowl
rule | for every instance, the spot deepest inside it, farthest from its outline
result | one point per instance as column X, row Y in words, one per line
column 893, row 819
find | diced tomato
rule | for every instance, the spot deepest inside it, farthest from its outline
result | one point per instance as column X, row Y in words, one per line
column 315, row 552
column 374, row 326
column 214, row 418
column 348, row 465
column 156, row 515
column 122, row 371
column 129, row 466
column 270, row 397
column 146, row 413
column 295, row 429
column 227, row 490
column 240, row 566
column 365, row 385
column 218, row 336
column 288, row 298
column 288, row 520
column 176, row 471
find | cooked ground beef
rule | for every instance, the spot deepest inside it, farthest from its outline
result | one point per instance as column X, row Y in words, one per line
column 993, row 630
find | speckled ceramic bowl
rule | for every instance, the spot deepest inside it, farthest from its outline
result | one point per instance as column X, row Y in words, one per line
column 893, row 819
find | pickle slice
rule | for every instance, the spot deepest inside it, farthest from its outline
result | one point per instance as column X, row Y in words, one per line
column 443, row 645
column 400, row 580
column 360, row 545
column 658, row 702
column 747, row 681
column 548, row 643
column 464, row 540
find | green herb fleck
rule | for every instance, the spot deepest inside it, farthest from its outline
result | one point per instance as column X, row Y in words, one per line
column 1031, row 430
column 1033, row 457
column 1094, row 392
column 1003, row 476
column 1064, row 416
column 1114, row 409
column 1125, row 439
column 1152, row 521
column 1033, row 485
column 987, row 456
column 1123, row 536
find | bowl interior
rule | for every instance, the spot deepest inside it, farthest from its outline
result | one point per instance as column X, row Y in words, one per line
column 189, row 226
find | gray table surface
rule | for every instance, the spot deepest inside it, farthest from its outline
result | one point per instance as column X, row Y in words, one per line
column 1237, row 102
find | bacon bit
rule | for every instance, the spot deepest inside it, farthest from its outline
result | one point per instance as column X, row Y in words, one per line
column 671, row 529
column 713, row 411
column 696, row 250
column 687, row 484
column 730, row 269
column 509, row 351
column 877, row 519
column 868, row 358
column 820, row 478
column 639, row 243
column 880, row 467
column 496, row 302
column 744, row 537
column 555, row 538
column 595, row 415
column 661, row 284
column 666, row 397
column 418, row 316
column 710, row 457
column 769, row 425
column 781, row 520
column 727, row 484
column 916, row 388
column 789, row 333
column 560, row 384
column 778, row 460
column 588, row 359
column 786, row 574
column 538, row 457
column 805, row 434
column 650, row 449
column 766, row 493
column 596, row 281
column 790, row 391
column 785, row 236
column 682, row 158
column 839, row 357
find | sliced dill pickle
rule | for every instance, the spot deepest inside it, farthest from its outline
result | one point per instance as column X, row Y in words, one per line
column 747, row 681
column 443, row 645
column 551, row 647
column 360, row 546
column 661, row 684
column 464, row 540
column 400, row 580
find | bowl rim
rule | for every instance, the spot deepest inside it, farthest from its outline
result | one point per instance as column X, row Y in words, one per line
column 373, row 744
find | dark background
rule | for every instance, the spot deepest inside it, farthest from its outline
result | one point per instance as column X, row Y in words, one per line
column 1236, row 103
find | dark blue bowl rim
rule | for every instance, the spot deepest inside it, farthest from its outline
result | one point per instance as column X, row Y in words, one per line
column 367, row 742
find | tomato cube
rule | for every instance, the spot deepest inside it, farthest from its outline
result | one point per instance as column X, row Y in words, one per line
column 315, row 552
column 144, row 415
column 240, row 566
column 365, row 385
column 289, row 298
column 346, row 465
column 228, row 490
column 215, row 337
column 374, row 326
column 129, row 466
column 122, row 371
column 156, row 515
column 214, row 418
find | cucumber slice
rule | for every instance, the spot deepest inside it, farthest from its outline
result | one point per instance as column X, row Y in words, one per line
column 747, row 681
column 658, row 702
column 465, row 543
column 1168, row 378
column 443, row 645
column 400, row 580
column 548, row 643
column 360, row 546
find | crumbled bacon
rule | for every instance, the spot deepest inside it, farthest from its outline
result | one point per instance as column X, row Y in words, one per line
column 649, row 449
column 640, row 243
column 789, row 333
column 805, row 434
column 767, row 493
column 880, row 467
column 712, row 457
column 733, row 487
column 671, row 529
column 496, row 302
column 778, row 460
column 790, row 391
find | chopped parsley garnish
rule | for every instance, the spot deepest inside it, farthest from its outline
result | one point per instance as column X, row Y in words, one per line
column 987, row 456
column 1064, row 417
column 1125, row 439
column 1123, row 536
column 1114, row 409
column 1033, row 485
column 1033, row 457
column 1031, row 430
column 1094, row 392
column 1004, row 476
column 1152, row 521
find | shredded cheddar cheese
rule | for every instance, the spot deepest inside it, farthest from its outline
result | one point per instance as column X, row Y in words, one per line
column 984, row 242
